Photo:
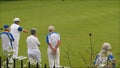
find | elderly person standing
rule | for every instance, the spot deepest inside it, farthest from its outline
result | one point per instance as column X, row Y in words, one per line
column 105, row 57
column 7, row 43
column 15, row 30
column 53, row 41
column 33, row 49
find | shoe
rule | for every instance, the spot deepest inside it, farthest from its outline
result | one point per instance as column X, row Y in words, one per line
column 11, row 61
column 10, row 65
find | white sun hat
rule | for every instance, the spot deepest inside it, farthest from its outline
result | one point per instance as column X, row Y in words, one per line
column 16, row 19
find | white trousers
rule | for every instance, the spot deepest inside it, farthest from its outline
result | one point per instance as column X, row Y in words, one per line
column 34, row 54
column 8, row 54
column 53, row 59
column 16, row 48
column 6, row 51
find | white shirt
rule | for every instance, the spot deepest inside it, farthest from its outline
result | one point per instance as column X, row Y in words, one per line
column 7, row 40
column 53, row 38
column 32, row 42
column 15, row 32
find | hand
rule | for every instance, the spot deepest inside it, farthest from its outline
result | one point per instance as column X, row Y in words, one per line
column 54, row 50
column 25, row 31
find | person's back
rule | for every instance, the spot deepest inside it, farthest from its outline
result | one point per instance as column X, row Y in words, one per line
column 34, row 53
column 14, row 30
column 32, row 42
column 5, row 40
column 53, row 41
column 7, row 43
column 53, row 38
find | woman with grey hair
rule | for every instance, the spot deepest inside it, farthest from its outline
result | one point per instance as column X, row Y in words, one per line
column 34, row 53
column 105, row 57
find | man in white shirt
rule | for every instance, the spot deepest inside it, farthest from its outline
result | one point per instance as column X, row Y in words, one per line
column 53, row 41
column 15, row 30
column 7, row 43
column 33, row 49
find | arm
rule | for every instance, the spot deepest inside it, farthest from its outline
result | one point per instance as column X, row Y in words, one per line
column 51, row 47
column 22, row 30
column 96, row 61
column 25, row 31
column 37, row 41
column 55, row 49
column 49, row 44
column 111, row 57
column 58, row 44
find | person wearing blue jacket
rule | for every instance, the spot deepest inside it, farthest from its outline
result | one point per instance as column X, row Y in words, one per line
column 7, row 43
column 105, row 58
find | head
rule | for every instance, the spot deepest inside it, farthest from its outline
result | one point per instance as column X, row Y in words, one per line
column 51, row 28
column 106, row 48
column 33, row 31
column 6, row 28
column 16, row 20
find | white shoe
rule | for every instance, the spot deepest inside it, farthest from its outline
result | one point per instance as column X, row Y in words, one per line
column 40, row 65
column 10, row 65
column 10, row 61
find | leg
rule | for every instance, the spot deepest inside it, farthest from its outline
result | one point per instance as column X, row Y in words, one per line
column 34, row 56
column 51, row 58
column 38, row 56
column 57, row 58
column 8, row 54
column 30, row 56
column 15, row 50
column 16, row 42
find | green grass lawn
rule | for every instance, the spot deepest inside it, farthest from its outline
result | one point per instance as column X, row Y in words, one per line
column 74, row 20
